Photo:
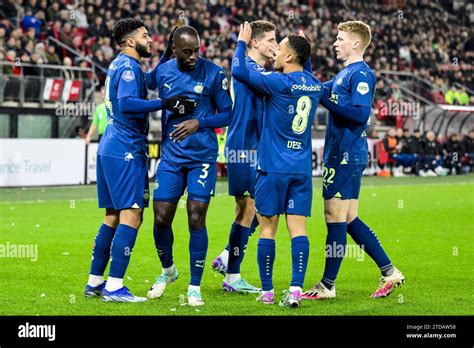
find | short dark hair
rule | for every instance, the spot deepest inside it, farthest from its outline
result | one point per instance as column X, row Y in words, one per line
column 125, row 27
column 301, row 46
column 186, row 30
column 259, row 28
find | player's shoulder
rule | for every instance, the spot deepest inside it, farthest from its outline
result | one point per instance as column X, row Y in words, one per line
column 210, row 66
column 253, row 65
column 363, row 71
column 311, row 77
column 169, row 65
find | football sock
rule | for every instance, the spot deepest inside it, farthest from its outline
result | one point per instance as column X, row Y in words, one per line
column 231, row 278
column 266, row 258
column 335, row 250
column 95, row 280
column 299, row 257
column 164, row 245
column 295, row 288
column 252, row 229
column 198, row 243
column 114, row 283
column 169, row 270
column 122, row 247
column 367, row 240
column 253, row 225
column 224, row 255
column 239, row 235
column 101, row 250
column 194, row 287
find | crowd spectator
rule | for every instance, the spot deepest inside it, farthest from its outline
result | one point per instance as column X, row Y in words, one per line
column 437, row 45
column 428, row 155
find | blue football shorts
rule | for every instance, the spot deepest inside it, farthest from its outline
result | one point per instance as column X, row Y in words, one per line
column 277, row 193
column 342, row 181
column 199, row 178
column 122, row 183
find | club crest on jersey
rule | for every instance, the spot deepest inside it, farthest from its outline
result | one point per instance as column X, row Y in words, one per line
column 258, row 68
column 128, row 75
column 225, row 84
column 199, row 88
column 303, row 79
column 339, row 81
column 363, row 88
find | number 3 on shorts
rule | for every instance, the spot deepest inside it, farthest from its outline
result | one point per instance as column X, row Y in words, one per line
column 205, row 172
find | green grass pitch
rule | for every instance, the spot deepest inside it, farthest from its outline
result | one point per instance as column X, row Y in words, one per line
column 424, row 224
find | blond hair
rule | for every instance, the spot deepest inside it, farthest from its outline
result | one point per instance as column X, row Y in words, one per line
column 360, row 29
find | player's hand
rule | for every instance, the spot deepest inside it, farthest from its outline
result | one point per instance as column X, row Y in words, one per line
column 245, row 32
column 184, row 129
column 169, row 46
column 88, row 140
column 179, row 104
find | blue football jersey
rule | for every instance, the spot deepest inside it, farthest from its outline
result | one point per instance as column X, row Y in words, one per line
column 290, row 103
column 346, row 141
column 126, row 133
column 247, row 113
column 208, row 85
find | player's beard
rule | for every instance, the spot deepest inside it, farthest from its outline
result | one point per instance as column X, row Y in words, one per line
column 142, row 50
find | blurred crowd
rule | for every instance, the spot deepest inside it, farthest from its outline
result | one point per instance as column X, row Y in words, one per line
column 403, row 153
column 430, row 38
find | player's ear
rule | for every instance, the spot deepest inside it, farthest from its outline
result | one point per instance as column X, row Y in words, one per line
column 356, row 44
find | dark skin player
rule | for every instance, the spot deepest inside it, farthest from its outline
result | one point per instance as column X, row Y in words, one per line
column 186, row 50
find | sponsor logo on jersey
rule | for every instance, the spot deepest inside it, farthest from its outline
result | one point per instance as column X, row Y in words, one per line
column 128, row 156
column 199, row 88
column 303, row 79
column 363, row 88
column 310, row 88
column 225, row 84
column 128, row 75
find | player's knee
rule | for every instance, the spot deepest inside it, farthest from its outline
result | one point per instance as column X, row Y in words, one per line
column 132, row 217
column 111, row 221
column 245, row 212
column 334, row 215
column 161, row 220
column 196, row 220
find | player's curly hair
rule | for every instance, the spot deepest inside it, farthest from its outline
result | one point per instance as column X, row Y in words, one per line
column 301, row 47
column 125, row 27
column 360, row 29
column 259, row 28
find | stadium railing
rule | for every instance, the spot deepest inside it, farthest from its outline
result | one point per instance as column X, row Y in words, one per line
column 45, row 90
column 425, row 113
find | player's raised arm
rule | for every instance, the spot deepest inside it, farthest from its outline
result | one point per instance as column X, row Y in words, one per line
column 150, row 77
column 266, row 82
